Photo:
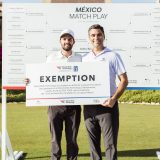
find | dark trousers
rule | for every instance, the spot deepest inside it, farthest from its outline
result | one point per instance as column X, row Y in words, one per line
column 70, row 115
column 105, row 120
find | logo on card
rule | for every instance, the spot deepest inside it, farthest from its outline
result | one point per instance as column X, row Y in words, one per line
column 96, row 101
column 75, row 68
column 64, row 68
column 69, row 101
column 58, row 67
column 62, row 101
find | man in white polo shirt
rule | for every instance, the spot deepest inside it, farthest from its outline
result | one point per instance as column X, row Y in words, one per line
column 70, row 115
column 104, row 118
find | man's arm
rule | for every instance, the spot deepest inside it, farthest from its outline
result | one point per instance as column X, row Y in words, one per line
column 120, row 89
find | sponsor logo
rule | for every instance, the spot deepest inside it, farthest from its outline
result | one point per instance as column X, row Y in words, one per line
column 96, row 101
column 75, row 68
column 68, row 101
column 64, row 68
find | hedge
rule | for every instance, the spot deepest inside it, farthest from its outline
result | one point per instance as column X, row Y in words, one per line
column 134, row 96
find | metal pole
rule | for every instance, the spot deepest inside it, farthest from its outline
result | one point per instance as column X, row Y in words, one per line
column 4, row 124
column 4, row 102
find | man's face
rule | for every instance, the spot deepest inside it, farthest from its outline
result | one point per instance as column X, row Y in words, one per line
column 96, row 37
column 67, row 42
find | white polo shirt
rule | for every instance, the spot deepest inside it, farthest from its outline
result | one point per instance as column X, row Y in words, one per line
column 116, row 66
column 59, row 57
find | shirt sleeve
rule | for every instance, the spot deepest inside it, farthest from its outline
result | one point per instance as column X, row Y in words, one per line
column 118, row 64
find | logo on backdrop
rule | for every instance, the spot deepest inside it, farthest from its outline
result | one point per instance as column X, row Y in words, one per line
column 85, row 13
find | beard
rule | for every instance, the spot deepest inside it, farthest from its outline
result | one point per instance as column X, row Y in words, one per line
column 67, row 47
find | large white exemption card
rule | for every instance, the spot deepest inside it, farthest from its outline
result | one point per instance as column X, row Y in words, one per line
column 73, row 83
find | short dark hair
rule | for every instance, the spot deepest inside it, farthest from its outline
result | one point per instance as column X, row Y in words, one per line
column 96, row 26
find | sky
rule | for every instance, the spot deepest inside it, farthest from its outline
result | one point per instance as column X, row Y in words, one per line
column 133, row 1
column 21, row 1
column 113, row 1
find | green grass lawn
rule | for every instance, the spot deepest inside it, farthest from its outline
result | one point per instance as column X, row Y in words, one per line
column 139, row 135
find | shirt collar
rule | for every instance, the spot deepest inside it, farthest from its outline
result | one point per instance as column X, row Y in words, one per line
column 102, row 52
column 61, row 56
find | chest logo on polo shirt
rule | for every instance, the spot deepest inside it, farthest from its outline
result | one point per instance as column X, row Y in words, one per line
column 103, row 59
